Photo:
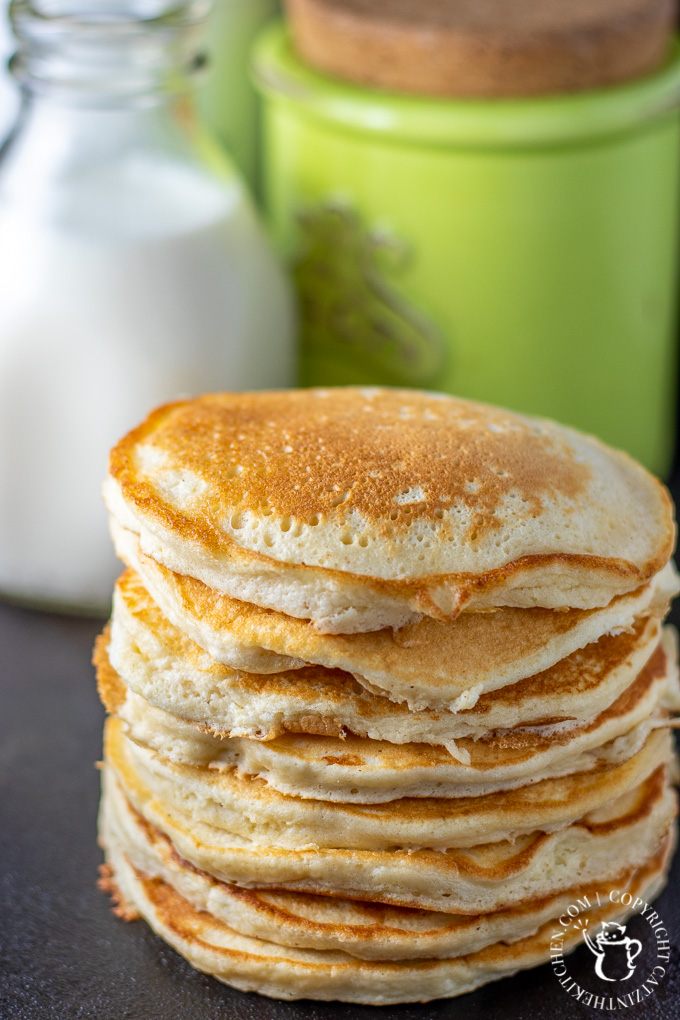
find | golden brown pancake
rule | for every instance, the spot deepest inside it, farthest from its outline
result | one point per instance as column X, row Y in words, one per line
column 283, row 972
column 446, row 666
column 367, row 931
column 252, row 809
column 476, row 880
column 166, row 668
column 363, row 508
column 359, row 770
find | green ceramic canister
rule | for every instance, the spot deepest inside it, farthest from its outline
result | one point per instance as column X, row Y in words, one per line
column 516, row 251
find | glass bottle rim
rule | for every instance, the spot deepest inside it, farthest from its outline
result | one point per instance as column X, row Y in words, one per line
column 174, row 14
column 86, row 50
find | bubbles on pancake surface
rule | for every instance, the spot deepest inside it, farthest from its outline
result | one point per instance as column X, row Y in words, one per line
column 397, row 485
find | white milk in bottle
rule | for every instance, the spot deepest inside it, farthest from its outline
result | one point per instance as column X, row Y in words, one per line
column 133, row 272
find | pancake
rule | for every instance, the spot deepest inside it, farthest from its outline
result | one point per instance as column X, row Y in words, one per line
column 363, row 930
column 427, row 665
column 480, row 881
column 360, row 509
column 359, row 770
column 249, row 807
column 283, row 972
column 287, row 973
column 170, row 671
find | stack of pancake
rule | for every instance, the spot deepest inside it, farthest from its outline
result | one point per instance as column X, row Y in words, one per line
column 388, row 688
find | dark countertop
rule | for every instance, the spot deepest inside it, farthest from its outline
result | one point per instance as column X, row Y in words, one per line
column 63, row 955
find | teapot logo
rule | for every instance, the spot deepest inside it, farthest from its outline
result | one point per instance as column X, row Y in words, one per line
column 614, row 951
column 617, row 955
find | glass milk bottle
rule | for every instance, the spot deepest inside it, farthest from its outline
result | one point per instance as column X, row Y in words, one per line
column 133, row 270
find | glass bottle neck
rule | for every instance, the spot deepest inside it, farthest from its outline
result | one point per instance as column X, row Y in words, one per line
column 107, row 54
column 85, row 135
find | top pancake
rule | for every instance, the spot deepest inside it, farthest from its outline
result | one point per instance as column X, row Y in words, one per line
column 363, row 508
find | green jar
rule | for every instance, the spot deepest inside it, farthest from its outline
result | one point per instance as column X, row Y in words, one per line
column 521, row 252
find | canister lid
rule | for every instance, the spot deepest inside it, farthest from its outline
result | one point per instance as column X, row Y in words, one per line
column 483, row 48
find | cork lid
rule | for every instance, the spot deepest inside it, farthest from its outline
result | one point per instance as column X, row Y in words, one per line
column 483, row 48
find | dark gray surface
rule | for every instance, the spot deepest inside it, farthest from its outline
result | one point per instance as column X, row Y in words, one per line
column 64, row 955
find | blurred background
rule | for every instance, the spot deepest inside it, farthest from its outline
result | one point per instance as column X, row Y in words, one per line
column 479, row 199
